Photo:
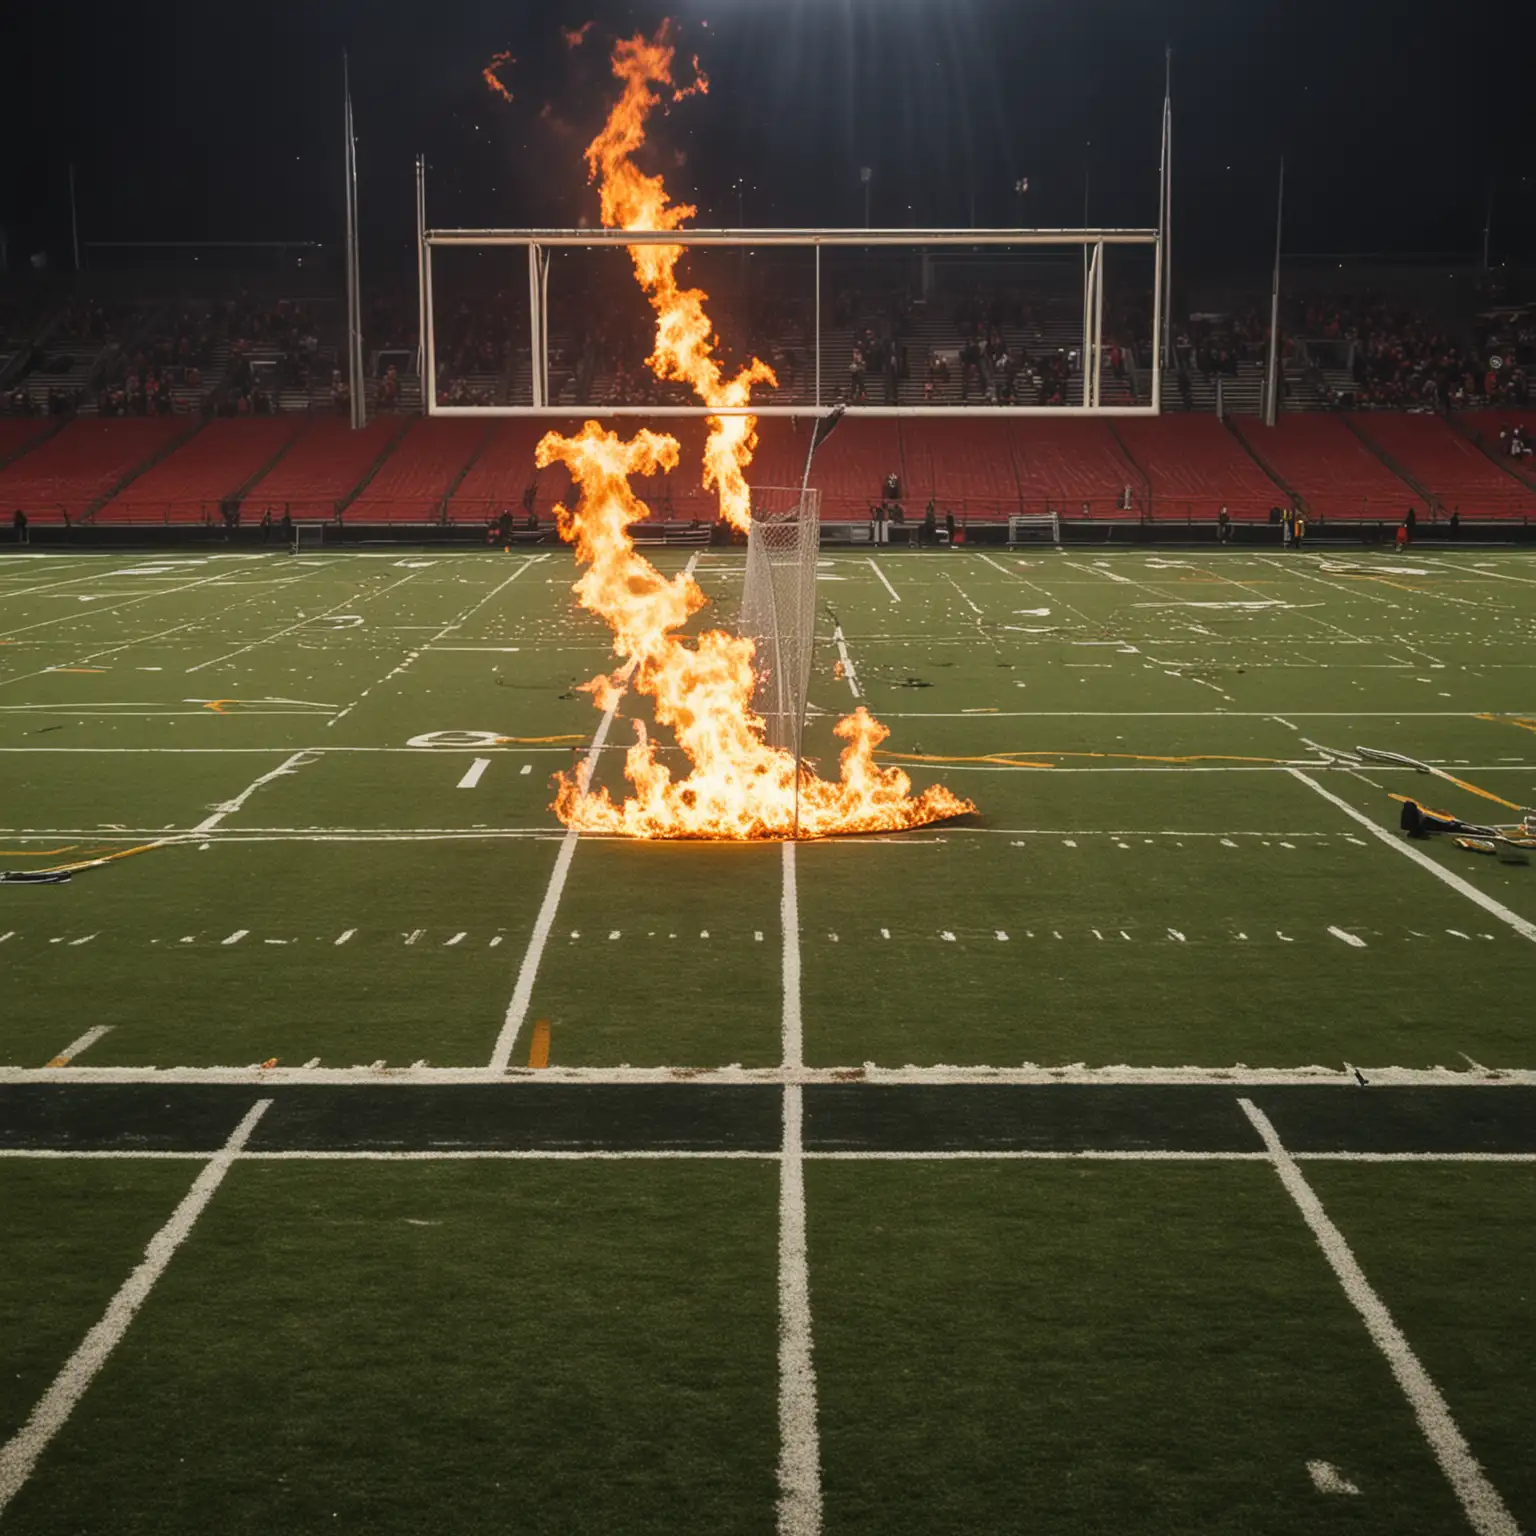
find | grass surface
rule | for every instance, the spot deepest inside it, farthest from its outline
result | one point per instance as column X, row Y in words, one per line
column 559, row 1346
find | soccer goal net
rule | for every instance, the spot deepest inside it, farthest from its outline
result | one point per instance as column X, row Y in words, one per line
column 1034, row 528
column 778, row 605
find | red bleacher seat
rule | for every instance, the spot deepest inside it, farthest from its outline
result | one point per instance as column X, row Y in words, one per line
column 1330, row 467
column 322, row 467
column 189, row 484
column 1195, row 467
column 75, row 468
column 19, row 432
column 500, row 476
column 427, row 461
column 1448, row 465
column 1069, row 462
column 965, row 466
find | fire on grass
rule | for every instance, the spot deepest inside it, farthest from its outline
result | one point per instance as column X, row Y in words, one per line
column 738, row 785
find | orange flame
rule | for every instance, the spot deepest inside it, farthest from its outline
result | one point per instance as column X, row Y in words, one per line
column 492, row 79
column 738, row 785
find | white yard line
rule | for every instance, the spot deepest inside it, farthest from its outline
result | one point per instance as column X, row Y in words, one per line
column 1233, row 1076
column 446, row 630
column 20, row 1454
column 731, row 1154
column 76, row 1047
column 362, row 596
column 884, row 580
column 474, row 773
column 799, row 1436
column 127, row 602
column 229, row 807
column 849, row 675
column 528, row 971
column 1479, row 1498
column 1523, row 926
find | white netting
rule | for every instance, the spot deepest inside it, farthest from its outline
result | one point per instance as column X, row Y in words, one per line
column 778, row 605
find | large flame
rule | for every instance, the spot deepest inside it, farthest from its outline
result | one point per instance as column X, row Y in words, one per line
column 738, row 786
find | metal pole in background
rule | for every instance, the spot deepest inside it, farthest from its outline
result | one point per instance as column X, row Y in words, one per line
column 818, row 324
column 354, row 349
column 74, row 215
column 1272, row 368
column 1157, row 271
column 535, row 329
column 421, row 266
column 1167, row 220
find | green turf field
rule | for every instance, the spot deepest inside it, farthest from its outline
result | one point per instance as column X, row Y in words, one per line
column 1050, row 1170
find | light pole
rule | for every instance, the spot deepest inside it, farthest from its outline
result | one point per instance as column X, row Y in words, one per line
column 866, row 175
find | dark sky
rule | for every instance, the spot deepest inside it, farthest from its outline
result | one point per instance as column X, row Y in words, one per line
column 206, row 120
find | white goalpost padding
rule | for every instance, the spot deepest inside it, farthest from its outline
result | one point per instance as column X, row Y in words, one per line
column 778, row 605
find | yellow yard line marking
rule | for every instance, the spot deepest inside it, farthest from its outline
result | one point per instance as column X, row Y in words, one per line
column 77, row 669
column 1021, row 759
column 36, row 853
column 1524, row 722
column 538, row 1046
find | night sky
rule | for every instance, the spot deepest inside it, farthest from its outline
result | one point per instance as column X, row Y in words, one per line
column 199, row 121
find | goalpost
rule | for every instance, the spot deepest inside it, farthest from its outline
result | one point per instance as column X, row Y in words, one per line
column 540, row 243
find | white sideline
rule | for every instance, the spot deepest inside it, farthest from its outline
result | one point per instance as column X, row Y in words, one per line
column 733, row 1154
column 885, row 580
column 799, row 1503
column 1479, row 1498
column 1237, row 1076
column 1523, row 926
column 528, row 971
column 20, row 1454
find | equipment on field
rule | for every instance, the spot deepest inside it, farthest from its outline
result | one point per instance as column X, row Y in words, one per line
column 778, row 605
column 1034, row 528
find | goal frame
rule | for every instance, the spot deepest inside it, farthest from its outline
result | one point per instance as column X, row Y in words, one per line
column 539, row 242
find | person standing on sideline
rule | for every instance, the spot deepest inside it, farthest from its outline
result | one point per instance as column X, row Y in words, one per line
column 1299, row 530
column 19, row 523
column 930, row 525
column 1223, row 527
column 1410, row 522
column 1287, row 527
column 949, row 528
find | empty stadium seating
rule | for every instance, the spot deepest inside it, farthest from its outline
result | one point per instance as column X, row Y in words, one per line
column 322, row 468
column 1195, row 467
column 1335, row 473
column 1448, row 465
column 1063, row 464
column 965, row 466
column 66, row 475
column 191, row 484
column 413, row 483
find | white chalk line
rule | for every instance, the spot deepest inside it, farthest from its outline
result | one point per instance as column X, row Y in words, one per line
column 474, row 773
column 20, row 1454
column 799, row 1468
column 229, row 807
column 1234, row 1076
column 849, row 675
column 730, row 1154
column 1479, row 1498
column 1523, row 926
column 441, row 634
column 528, row 971
column 884, row 580
column 78, row 1047
column 344, row 606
